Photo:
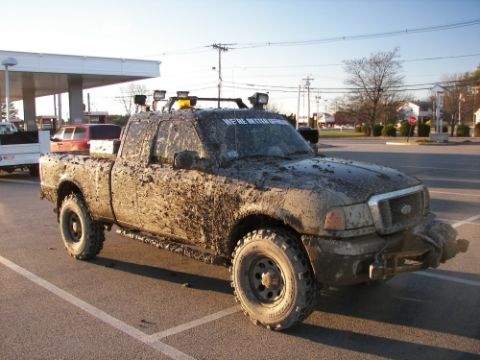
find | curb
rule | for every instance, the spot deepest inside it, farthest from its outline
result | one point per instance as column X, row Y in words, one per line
column 400, row 143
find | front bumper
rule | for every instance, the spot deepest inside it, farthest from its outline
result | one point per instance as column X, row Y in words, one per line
column 375, row 257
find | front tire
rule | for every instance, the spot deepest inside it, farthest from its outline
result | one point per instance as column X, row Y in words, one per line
column 272, row 279
column 82, row 236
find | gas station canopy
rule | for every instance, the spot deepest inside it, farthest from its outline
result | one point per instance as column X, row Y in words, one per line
column 38, row 74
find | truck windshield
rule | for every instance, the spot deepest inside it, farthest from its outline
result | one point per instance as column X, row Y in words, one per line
column 257, row 137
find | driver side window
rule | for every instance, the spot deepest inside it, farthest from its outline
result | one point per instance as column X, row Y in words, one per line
column 173, row 137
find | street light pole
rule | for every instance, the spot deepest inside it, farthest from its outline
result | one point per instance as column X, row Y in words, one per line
column 307, row 85
column 10, row 61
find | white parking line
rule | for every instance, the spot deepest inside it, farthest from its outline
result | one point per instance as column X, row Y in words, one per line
column 452, row 193
column 452, row 221
column 97, row 313
column 466, row 221
column 202, row 321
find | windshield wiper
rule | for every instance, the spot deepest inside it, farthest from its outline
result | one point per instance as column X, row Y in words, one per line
column 300, row 152
column 259, row 156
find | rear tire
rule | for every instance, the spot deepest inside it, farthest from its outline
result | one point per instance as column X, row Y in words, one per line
column 82, row 236
column 34, row 170
column 272, row 279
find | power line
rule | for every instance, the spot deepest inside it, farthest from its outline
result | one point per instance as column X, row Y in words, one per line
column 432, row 58
column 238, row 46
column 341, row 90
column 411, row 31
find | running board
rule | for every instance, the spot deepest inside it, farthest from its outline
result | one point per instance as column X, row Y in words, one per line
column 176, row 247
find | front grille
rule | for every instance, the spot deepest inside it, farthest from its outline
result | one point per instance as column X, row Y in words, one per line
column 398, row 210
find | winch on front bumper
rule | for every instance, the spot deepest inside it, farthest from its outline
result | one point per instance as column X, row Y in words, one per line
column 375, row 257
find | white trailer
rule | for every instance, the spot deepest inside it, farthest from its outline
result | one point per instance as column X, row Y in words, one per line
column 25, row 155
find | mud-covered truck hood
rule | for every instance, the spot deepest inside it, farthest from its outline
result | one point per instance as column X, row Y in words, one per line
column 354, row 182
column 304, row 192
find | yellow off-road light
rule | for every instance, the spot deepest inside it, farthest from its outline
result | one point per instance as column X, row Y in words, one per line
column 184, row 103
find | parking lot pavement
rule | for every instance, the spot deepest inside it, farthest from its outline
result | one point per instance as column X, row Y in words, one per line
column 135, row 301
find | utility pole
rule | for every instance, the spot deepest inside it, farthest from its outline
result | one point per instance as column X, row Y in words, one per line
column 307, row 85
column 317, row 99
column 220, row 48
column 298, row 106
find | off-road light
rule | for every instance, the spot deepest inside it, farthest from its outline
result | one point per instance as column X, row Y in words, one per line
column 184, row 103
column 159, row 95
column 261, row 98
column 140, row 100
column 258, row 100
column 182, row 94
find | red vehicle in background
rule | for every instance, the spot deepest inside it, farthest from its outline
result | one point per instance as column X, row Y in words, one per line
column 76, row 138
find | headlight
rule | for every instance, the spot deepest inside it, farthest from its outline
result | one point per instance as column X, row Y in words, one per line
column 348, row 218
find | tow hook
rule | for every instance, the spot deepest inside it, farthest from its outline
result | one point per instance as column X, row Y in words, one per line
column 376, row 271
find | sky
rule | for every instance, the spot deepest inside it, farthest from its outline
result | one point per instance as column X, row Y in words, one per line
column 180, row 35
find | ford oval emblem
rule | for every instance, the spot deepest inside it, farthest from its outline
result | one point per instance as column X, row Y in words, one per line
column 406, row 209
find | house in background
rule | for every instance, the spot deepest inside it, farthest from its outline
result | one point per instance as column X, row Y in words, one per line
column 476, row 115
column 324, row 119
column 422, row 110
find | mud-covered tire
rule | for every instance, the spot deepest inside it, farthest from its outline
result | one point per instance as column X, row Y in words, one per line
column 82, row 236
column 272, row 279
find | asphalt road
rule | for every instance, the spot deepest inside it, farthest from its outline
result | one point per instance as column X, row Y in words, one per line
column 137, row 302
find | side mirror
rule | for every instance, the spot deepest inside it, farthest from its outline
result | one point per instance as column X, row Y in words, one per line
column 185, row 159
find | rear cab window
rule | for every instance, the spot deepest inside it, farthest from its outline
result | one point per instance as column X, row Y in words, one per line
column 173, row 137
column 105, row 132
column 134, row 140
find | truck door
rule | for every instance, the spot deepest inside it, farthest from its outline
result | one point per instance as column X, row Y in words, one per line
column 176, row 202
column 125, row 173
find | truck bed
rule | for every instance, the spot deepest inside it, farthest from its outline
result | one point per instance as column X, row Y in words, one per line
column 23, row 148
column 91, row 175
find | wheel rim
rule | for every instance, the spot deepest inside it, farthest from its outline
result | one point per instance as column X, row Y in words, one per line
column 266, row 280
column 74, row 227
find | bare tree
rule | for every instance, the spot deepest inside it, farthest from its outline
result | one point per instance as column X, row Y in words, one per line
column 375, row 83
column 454, row 97
column 127, row 93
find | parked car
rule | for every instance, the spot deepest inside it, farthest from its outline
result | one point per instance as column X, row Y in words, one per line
column 309, row 134
column 76, row 138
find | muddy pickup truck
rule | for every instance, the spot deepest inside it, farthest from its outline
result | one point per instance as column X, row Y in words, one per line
column 241, row 187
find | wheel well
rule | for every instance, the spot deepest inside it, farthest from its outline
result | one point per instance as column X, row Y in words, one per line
column 254, row 222
column 64, row 190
